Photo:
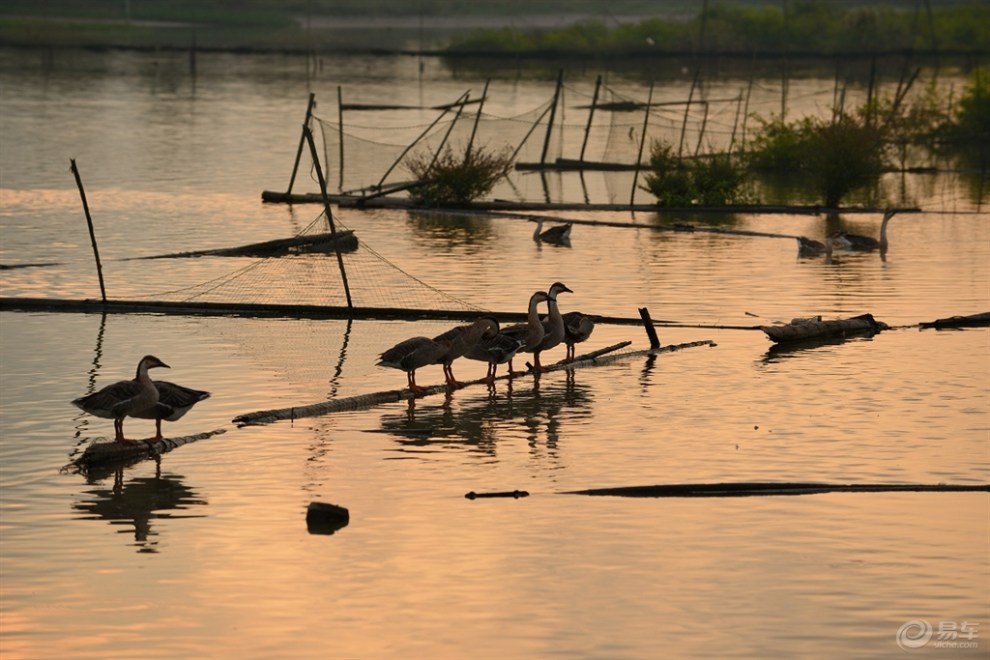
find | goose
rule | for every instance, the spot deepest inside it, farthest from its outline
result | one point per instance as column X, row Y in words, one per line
column 126, row 398
column 459, row 340
column 498, row 349
column 809, row 247
column 174, row 401
column 865, row 243
column 577, row 328
column 529, row 333
column 557, row 235
column 411, row 354
column 553, row 325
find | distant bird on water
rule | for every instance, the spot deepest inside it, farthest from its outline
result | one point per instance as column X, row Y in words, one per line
column 866, row 243
column 556, row 235
column 127, row 398
column 809, row 247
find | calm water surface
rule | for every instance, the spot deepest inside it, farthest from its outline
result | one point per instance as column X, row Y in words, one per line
column 208, row 555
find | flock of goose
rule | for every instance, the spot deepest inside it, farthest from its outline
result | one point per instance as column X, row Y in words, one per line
column 485, row 341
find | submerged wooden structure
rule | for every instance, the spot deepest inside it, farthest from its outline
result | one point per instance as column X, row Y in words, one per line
column 816, row 328
column 112, row 454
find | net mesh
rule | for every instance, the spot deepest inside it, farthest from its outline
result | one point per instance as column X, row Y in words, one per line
column 373, row 151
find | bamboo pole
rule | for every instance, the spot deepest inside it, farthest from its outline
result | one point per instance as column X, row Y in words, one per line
column 92, row 233
column 591, row 115
column 302, row 143
column 553, row 114
column 370, row 400
column 328, row 211
column 340, row 135
column 477, row 118
column 642, row 143
column 460, row 108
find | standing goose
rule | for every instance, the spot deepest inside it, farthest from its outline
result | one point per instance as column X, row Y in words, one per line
column 498, row 349
column 411, row 354
column 557, row 235
column 553, row 325
column 577, row 328
column 460, row 340
column 174, row 401
column 125, row 398
column 529, row 333
column 865, row 243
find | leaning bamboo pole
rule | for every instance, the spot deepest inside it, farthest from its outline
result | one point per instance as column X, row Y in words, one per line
column 370, row 400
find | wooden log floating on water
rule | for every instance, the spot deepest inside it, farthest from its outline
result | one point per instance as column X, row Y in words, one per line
column 747, row 489
column 971, row 321
column 813, row 328
column 101, row 455
column 362, row 401
column 341, row 241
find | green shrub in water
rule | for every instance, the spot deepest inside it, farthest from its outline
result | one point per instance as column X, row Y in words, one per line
column 451, row 179
column 677, row 181
column 835, row 156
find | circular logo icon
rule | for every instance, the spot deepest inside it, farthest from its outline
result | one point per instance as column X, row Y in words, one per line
column 914, row 634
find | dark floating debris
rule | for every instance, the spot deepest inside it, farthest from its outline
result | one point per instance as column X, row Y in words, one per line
column 971, row 321
column 326, row 518
column 815, row 327
column 516, row 494
column 327, row 242
column 746, row 489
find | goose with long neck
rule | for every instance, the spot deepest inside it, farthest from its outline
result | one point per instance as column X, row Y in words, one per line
column 530, row 333
column 138, row 397
column 865, row 243
column 553, row 325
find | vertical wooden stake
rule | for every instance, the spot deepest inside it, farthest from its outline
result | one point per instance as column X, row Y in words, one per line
column 591, row 114
column 651, row 331
column 92, row 233
column 477, row 118
column 340, row 134
column 302, row 141
column 326, row 207
column 553, row 114
column 642, row 143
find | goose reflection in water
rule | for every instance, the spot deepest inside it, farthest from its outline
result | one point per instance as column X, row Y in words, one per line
column 137, row 502
column 477, row 422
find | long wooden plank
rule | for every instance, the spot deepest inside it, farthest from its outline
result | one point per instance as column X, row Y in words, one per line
column 372, row 399
column 746, row 489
